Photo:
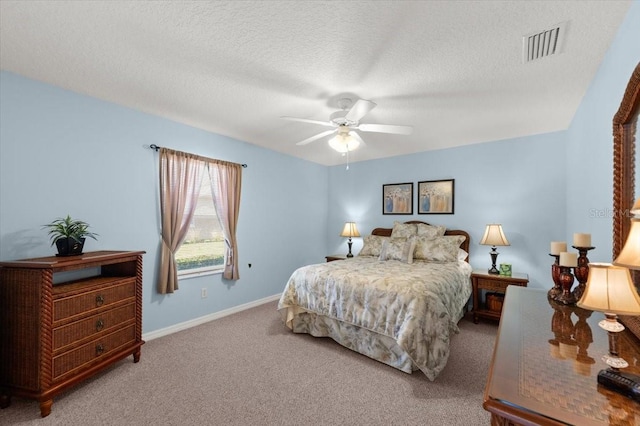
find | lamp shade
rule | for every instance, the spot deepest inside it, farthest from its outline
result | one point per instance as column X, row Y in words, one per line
column 630, row 254
column 636, row 208
column 610, row 289
column 350, row 230
column 494, row 236
column 344, row 142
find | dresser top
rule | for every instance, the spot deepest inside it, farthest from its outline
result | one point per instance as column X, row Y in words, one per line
column 70, row 262
column 546, row 361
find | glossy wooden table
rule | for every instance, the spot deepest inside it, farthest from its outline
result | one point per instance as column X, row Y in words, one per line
column 545, row 365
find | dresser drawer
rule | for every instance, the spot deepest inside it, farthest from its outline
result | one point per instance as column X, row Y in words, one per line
column 93, row 351
column 98, row 299
column 103, row 322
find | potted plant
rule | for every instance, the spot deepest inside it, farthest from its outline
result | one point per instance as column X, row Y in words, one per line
column 69, row 235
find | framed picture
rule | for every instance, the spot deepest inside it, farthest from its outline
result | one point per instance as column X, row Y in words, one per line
column 397, row 198
column 436, row 196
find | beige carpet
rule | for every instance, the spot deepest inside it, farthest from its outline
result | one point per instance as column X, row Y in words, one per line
column 248, row 369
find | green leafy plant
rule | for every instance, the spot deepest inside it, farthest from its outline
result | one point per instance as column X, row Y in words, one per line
column 68, row 228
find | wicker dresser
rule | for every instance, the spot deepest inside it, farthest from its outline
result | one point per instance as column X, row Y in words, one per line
column 63, row 319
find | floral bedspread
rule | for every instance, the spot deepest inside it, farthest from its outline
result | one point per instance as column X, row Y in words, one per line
column 417, row 305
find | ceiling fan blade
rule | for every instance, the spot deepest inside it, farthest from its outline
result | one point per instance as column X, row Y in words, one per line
column 305, row 120
column 315, row 137
column 386, row 128
column 359, row 110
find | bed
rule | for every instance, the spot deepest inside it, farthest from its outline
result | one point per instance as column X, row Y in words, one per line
column 398, row 301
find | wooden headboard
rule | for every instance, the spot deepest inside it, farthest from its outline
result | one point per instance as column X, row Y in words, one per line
column 386, row 232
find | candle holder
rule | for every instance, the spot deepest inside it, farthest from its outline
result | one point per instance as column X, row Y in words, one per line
column 567, row 345
column 566, row 281
column 581, row 271
column 556, row 290
column 556, row 329
column 584, row 338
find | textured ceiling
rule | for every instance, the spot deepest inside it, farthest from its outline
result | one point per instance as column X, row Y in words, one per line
column 451, row 69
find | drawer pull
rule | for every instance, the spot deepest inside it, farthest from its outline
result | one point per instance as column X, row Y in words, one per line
column 99, row 349
column 99, row 325
column 99, row 300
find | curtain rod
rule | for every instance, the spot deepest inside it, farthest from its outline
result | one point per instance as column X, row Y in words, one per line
column 156, row 148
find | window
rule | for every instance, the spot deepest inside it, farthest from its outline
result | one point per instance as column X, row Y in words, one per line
column 181, row 177
column 203, row 248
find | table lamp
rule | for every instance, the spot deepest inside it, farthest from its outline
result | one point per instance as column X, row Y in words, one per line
column 610, row 290
column 630, row 254
column 350, row 230
column 494, row 236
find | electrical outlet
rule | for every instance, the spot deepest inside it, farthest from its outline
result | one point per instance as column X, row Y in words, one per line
column 203, row 293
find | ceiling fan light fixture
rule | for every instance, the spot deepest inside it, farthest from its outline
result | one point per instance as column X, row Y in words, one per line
column 344, row 142
column 345, row 122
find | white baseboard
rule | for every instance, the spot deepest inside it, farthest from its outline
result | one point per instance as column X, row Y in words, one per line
column 214, row 316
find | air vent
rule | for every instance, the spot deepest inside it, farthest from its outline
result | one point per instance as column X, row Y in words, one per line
column 543, row 43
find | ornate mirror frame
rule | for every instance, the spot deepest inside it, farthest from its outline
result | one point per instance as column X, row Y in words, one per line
column 624, row 160
column 624, row 152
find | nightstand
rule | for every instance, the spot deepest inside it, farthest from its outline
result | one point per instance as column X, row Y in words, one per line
column 333, row 257
column 492, row 283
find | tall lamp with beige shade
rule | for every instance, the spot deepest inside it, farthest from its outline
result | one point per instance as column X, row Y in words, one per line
column 611, row 290
column 494, row 236
column 350, row 230
column 630, row 254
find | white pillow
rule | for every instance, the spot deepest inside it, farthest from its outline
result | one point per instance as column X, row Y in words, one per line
column 372, row 245
column 398, row 249
column 462, row 255
column 439, row 249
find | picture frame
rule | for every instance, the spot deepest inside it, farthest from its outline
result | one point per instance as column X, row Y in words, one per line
column 397, row 198
column 436, row 196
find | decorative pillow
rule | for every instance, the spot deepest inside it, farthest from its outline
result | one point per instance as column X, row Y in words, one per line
column 439, row 249
column 403, row 230
column 372, row 245
column 398, row 249
column 430, row 231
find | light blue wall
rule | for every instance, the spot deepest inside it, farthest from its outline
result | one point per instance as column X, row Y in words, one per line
column 541, row 188
column 518, row 183
column 590, row 141
column 61, row 152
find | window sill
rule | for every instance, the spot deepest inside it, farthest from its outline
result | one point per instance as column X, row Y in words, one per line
column 185, row 275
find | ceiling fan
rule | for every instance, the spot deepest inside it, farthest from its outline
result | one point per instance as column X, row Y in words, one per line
column 345, row 123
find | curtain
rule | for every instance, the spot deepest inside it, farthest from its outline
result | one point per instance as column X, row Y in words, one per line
column 226, row 182
column 180, row 179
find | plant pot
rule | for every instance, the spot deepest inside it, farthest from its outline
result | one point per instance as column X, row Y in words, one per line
column 69, row 246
